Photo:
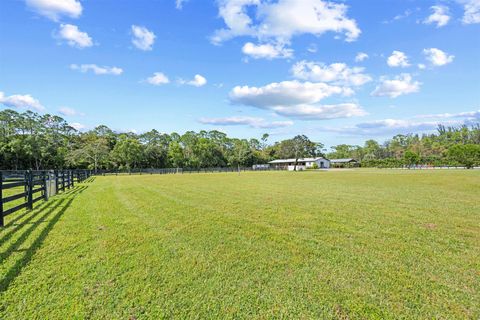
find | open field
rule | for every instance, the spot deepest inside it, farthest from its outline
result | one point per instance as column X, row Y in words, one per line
column 340, row 244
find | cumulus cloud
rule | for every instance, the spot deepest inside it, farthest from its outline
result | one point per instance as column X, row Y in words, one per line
column 440, row 16
column 295, row 99
column 158, row 79
column 286, row 93
column 55, row 9
column 472, row 11
column 398, row 86
column 252, row 122
column 398, row 59
column 337, row 73
column 66, row 111
column 266, row 51
column 197, row 81
column 361, row 56
column 277, row 22
column 74, row 37
column 97, row 69
column 437, row 57
column 142, row 38
column 24, row 101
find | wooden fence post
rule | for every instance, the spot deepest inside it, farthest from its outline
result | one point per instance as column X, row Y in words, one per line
column 45, row 191
column 73, row 178
column 1, row 200
column 57, row 181
column 29, row 181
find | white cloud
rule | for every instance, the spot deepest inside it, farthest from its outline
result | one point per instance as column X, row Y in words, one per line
column 74, row 37
column 97, row 69
column 469, row 115
column 312, row 48
column 179, row 4
column 252, row 122
column 77, row 126
column 286, row 93
column 295, row 99
column 401, row 16
column 438, row 57
column 158, row 79
column 398, row 86
column 388, row 127
column 21, row 101
column 472, row 11
column 418, row 123
column 320, row 112
column 54, row 9
column 337, row 73
column 361, row 56
column 198, row 81
column 440, row 16
column 421, row 66
column 142, row 38
column 277, row 22
column 398, row 59
column 266, row 51
column 66, row 111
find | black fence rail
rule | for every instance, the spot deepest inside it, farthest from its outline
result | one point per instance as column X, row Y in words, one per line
column 184, row 170
column 22, row 189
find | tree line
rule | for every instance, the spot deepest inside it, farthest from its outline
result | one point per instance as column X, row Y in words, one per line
column 29, row 140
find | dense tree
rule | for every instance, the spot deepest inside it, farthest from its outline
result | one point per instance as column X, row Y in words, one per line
column 29, row 140
column 466, row 155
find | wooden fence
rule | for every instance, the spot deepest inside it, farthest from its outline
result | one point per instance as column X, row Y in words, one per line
column 22, row 189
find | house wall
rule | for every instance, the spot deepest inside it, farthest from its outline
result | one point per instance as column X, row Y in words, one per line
column 299, row 168
column 323, row 163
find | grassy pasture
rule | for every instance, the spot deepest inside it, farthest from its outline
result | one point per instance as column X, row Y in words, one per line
column 373, row 244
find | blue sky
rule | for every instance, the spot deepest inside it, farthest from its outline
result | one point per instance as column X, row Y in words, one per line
column 337, row 71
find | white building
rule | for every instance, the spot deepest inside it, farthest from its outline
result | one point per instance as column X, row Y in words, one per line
column 302, row 164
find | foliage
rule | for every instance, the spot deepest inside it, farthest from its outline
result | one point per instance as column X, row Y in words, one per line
column 32, row 141
column 411, row 149
column 466, row 155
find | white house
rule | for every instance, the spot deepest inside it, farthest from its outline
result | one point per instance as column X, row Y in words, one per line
column 302, row 164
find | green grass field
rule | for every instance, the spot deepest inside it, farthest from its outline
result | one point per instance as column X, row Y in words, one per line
column 340, row 244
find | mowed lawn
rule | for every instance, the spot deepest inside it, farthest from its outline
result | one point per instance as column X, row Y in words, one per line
column 377, row 244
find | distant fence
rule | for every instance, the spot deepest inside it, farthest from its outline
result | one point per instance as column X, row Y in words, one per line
column 23, row 188
column 182, row 170
column 428, row 168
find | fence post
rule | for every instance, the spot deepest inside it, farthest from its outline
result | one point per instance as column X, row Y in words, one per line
column 45, row 191
column 73, row 178
column 1, row 200
column 55, row 176
column 29, row 178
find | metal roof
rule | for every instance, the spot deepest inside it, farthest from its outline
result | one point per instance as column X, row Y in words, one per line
column 299, row 160
column 342, row 160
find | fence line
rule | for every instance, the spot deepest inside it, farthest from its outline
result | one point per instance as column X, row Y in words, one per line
column 182, row 170
column 428, row 168
column 37, row 185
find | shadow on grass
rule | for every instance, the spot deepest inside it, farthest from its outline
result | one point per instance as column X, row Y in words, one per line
column 48, row 214
column 91, row 179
